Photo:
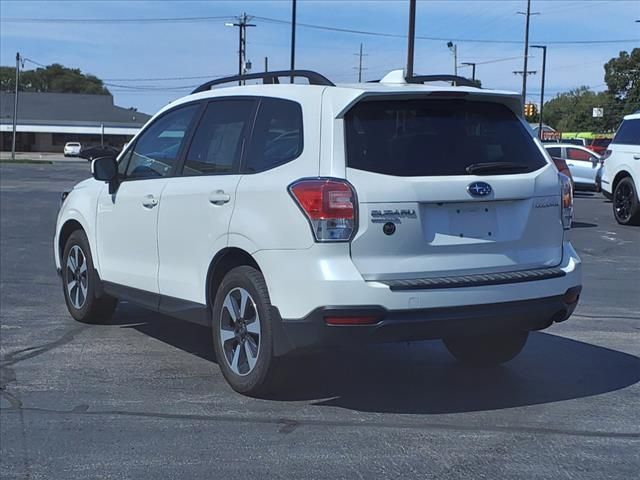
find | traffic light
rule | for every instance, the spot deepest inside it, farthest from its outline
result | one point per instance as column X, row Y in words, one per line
column 530, row 109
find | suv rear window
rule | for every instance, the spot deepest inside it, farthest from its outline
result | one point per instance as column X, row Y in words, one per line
column 628, row 133
column 436, row 137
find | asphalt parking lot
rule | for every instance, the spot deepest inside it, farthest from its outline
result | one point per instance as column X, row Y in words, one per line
column 143, row 398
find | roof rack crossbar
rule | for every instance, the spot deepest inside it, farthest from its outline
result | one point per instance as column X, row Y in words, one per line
column 314, row 78
column 459, row 81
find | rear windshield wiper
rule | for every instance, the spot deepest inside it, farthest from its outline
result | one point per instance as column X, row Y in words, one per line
column 495, row 167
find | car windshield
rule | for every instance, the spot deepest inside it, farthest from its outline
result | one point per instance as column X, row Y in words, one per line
column 437, row 138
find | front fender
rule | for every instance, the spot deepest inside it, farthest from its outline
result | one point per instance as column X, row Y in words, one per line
column 80, row 206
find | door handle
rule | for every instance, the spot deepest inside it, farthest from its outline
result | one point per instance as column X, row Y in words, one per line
column 219, row 197
column 570, row 165
column 636, row 157
column 149, row 201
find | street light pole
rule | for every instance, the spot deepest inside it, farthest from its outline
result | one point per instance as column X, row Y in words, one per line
column 411, row 38
column 473, row 69
column 454, row 49
column 15, row 108
column 544, row 66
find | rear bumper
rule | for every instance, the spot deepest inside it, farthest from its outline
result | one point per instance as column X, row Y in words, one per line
column 302, row 281
column 312, row 332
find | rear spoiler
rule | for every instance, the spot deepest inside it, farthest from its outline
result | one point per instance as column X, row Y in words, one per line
column 513, row 101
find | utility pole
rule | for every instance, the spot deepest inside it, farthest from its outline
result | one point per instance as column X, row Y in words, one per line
column 293, row 38
column 526, row 50
column 15, row 108
column 411, row 38
column 454, row 49
column 266, row 64
column 473, row 67
column 242, row 25
column 359, row 67
column 544, row 66
column 521, row 72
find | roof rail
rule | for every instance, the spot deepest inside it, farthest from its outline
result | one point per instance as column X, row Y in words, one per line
column 314, row 78
column 459, row 81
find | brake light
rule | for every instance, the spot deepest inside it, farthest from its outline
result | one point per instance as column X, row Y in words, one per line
column 329, row 205
column 566, row 199
column 605, row 155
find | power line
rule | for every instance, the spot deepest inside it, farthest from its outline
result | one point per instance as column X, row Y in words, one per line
column 113, row 20
column 168, row 79
column 305, row 25
column 440, row 39
column 150, row 87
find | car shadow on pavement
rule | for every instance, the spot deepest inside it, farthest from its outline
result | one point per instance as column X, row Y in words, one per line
column 421, row 377
column 583, row 225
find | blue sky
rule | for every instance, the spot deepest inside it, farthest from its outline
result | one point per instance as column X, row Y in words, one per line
column 121, row 52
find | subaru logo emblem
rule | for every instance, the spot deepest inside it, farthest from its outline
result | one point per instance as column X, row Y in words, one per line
column 479, row 189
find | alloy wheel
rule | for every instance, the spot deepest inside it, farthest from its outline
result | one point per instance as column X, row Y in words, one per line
column 622, row 201
column 240, row 331
column 77, row 277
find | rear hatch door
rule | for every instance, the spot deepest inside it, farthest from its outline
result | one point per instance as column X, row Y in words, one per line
column 449, row 187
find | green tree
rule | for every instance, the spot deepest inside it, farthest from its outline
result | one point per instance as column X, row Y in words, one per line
column 573, row 111
column 53, row 78
column 622, row 76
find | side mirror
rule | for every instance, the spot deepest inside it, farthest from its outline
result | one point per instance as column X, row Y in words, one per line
column 106, row 170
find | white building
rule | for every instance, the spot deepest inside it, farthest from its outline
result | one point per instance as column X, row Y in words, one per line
column 46, row 121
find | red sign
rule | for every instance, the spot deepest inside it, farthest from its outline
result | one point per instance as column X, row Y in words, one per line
column 551, row 136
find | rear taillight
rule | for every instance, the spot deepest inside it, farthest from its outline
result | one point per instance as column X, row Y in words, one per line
column 329, row 205
column 566, row 200
column 605, row 155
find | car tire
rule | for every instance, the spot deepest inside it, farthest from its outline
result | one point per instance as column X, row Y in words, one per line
column 486, row 350
column 626, row 205
column 242, row 332
column 80, row 283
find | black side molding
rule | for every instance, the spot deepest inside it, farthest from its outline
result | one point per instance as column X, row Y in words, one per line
column 183, row 309
column 474, row 280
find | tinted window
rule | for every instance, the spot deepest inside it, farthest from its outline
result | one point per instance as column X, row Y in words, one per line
column 277, row 135
column 156, row 150
column 628, row 133
column 555, row 152
column 573, row 141
column 436, row 137
column 217, row 144
column 577, row 154
column 601, row 142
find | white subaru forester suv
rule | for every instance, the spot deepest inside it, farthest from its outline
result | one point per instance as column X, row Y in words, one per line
column 621, row 171
column 292, row 217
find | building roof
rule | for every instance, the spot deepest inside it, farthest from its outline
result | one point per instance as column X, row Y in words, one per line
column 69, row 110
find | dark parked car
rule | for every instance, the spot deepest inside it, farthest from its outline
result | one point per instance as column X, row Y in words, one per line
column 90, row 153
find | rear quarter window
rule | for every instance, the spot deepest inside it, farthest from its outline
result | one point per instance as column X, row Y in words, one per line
column 436, row 137
column 277, row 135
column 628, row 133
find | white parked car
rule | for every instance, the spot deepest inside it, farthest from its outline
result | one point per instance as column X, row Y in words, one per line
column 582, row 162
column 621, row 172
column 72, row 149
column 292, row 217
